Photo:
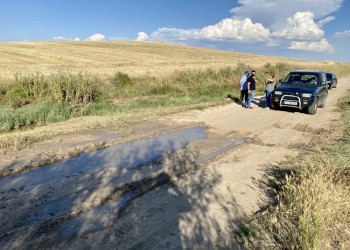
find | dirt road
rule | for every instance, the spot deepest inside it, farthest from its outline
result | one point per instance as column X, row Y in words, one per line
column 184, row 185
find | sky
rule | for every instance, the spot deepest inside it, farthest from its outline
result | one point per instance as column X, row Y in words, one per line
column 305, row 29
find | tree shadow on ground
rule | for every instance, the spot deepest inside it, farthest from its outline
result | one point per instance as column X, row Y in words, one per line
column 139, row 197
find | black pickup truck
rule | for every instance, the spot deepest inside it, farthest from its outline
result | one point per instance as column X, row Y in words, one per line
column 303, row 90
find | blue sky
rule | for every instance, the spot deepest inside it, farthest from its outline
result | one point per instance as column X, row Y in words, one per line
column 307, row 29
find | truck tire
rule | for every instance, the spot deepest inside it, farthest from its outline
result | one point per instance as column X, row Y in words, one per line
column 313, row 108
column 324, row 102
column 275, row 106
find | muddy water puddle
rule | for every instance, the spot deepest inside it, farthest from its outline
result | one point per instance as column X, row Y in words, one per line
column 125, row 156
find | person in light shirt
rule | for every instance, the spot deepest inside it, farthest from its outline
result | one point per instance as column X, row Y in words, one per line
column 244, row 88
column 269, row 87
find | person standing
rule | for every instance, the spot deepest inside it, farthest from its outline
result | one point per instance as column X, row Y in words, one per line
column 252, row 81
column 244, row 88
column 270, row 86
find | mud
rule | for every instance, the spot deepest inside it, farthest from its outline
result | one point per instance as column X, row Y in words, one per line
column 118, row 158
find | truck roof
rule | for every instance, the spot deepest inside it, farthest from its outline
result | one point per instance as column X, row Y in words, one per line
column 307, row 71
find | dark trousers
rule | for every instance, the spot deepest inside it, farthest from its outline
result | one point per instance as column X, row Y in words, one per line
column 244, row 96
column 268, row 98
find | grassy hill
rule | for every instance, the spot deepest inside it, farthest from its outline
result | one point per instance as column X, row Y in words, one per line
column 133, row 58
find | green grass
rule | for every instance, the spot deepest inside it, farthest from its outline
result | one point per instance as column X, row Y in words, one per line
column 33, row 115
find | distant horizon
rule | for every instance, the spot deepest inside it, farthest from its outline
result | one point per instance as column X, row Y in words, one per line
column 310, row 30
column 172, row 43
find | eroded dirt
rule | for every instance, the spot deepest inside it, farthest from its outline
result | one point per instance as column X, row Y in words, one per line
column 149, row 198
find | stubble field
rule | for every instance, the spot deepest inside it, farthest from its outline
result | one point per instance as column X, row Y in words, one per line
column 133, row 58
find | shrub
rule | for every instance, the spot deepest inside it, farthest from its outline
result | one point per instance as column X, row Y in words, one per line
column 32, row 85
column 122, row 80
column 73, row 88
column 40, row 114
column 3, row 90
column 16, row 97
column 282, row 67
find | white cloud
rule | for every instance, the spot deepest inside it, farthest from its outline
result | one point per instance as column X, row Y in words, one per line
column 301, row 27
column 96, row 37
column 282, row 22
column 318, row 46
column 172, row 34
column 236, row 29
column 274, row 14
column 142, row 36
column 298, row 20
column 325, row 20
column 342, row 34
column 229, row 29
column 61, row 38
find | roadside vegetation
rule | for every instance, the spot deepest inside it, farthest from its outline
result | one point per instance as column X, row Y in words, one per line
column 312, row 194
column 29, row 100
column 118, row 82
column 32, row 100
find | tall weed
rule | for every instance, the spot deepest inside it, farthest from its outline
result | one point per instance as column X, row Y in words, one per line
column 39, row 114
column 82, row 88
column 32, row 85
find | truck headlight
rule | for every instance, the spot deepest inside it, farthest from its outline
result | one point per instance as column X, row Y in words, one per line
column 306, row 95
column 278, row 92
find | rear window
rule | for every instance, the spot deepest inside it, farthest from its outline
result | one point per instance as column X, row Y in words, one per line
column 329, row 77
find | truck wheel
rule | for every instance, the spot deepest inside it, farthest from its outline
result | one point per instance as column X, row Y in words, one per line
column 324, row 102
column 313, row 108
column 275, row 106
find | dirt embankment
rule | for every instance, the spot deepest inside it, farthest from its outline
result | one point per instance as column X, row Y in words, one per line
column 65, row 206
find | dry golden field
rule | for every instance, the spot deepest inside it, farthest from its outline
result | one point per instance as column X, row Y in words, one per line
column 133, row 58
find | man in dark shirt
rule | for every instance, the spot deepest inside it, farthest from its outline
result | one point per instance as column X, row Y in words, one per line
column 252, row 81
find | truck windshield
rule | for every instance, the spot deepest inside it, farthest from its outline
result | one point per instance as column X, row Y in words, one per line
column 301, row 78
